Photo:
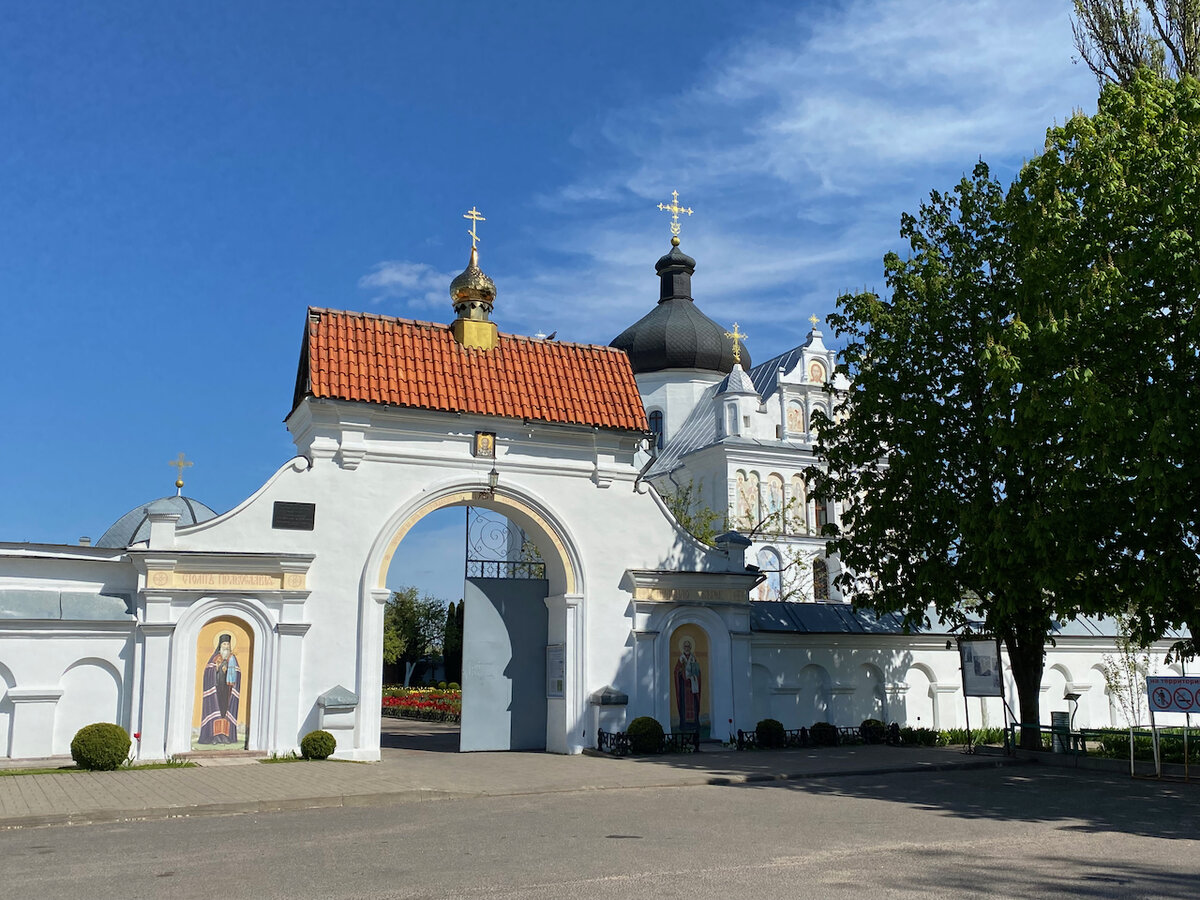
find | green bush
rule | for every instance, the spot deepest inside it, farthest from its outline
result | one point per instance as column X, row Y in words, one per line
column 823, row 734
column 919, row 737
column 954, row 736
column 453, row 686
column 645, row 735
column 317, row 745
column 100, row 747
column 441, row 685
column 872, row 731
column 770, row 733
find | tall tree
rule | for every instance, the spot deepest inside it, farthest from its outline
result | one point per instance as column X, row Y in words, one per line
column 413, row 628
column 1115, row 38
column 936, row 512
column 1108, row 217
column 453, row 649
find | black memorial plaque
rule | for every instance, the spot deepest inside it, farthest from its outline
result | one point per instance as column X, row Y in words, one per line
column 294, row 516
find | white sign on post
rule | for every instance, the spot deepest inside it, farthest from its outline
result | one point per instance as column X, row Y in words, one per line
column 1173, row 693
column 980, row 667
column 556, row 670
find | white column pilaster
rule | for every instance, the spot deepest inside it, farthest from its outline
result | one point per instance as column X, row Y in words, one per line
column 566, row 727
column 156, row 689
column 285, row 735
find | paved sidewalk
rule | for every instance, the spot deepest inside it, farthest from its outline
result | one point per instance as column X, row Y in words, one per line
column 418, row 765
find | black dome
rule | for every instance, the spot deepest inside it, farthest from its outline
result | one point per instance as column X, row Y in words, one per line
column 676, row 334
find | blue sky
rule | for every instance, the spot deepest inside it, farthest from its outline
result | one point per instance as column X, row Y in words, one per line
column 179, row 181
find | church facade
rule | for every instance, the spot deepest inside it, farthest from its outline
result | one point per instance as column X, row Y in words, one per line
column 201, row 632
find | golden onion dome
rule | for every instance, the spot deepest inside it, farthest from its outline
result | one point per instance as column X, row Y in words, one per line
column 472, row 285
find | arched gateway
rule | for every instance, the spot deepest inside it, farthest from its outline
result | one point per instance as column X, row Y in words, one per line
column 393, row 419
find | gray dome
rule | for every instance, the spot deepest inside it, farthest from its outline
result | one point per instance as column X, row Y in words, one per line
column 134, row 526
column 676, row 334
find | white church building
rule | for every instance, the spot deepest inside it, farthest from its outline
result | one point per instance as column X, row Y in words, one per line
column 247, row 629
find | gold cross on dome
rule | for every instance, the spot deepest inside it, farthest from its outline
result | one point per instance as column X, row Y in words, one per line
column 475, row 217
column 814, row 321
column 180, row 464
column 675, row 209
column 737, row 336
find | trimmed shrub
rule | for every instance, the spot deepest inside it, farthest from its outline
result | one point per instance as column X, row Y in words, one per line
column 823, row 734
column 919, row 737
column 872, row 731
column 317, row 745
column 645, row 735
column 453, row 686
column 770, row 733
column 441, row 685
column 100, row 747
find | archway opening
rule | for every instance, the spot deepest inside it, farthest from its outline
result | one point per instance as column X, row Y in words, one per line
column 470, row 567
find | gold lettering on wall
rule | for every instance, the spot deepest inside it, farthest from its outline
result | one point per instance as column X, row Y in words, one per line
column 225, row 581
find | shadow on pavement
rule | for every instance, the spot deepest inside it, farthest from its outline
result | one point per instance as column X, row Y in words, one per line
column 411, row 734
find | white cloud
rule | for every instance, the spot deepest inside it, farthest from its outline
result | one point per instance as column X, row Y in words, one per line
column 799, row 144
column 415, row 284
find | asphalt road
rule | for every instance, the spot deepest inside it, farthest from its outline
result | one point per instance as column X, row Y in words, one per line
column 1025, row 832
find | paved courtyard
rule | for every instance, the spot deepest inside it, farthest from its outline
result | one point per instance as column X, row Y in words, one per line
column 1016, row 831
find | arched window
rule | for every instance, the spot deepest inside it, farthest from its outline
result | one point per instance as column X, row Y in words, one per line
column 822, row 512
column 656, row 426
column 820, row 579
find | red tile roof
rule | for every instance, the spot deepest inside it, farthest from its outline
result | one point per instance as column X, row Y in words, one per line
column 380, row 359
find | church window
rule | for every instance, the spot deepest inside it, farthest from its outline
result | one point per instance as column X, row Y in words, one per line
column 795, row 417
column 820, row 579
column 822, row 511
column 731, row 419
column 770, row 564
column 656, row 426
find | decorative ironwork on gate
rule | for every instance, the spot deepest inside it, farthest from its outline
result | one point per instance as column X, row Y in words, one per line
column 497, row 548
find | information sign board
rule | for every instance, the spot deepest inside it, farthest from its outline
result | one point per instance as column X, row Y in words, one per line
column 981, row 669
column 1173, row 693
column 556, row 670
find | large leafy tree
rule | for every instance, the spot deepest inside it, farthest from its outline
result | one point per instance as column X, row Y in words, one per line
column 1116, row 38
column 937, row 512
column 1107, row 220
column 413, row 627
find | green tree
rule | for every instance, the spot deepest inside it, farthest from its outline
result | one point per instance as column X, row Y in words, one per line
column 453, row 647
column 1109, row 330
column 1116, row 38
column 937, row 510
column 413, row 628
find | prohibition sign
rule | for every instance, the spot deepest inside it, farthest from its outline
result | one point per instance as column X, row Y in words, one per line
column 1183, row 698
column 1161, row 698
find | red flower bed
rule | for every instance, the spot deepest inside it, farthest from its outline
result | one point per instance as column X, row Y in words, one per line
column 430, row 705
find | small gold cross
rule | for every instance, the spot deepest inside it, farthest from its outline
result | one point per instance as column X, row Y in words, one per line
column 180, row 464
column 474, row 216
column 736, row 335
column 675, row 209
column 814, row 321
